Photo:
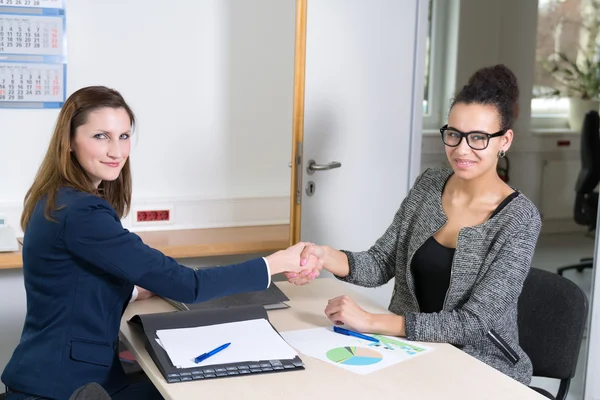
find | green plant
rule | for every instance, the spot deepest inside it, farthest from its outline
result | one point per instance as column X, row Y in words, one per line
column 580, row 79
column 577, row 69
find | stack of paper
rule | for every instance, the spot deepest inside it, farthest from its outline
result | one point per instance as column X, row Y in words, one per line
column 251, row 340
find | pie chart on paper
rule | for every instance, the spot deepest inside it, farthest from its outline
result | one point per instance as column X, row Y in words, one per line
column 355, row 356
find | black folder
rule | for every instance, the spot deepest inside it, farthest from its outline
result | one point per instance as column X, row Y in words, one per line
column 148, row 324
column 271, row 298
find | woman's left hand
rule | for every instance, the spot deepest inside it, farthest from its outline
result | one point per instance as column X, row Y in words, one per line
column 343, row 310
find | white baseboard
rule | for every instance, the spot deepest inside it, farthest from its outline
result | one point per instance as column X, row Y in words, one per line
column 192, row 213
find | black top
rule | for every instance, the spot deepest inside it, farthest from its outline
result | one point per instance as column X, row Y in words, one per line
column 431, row 267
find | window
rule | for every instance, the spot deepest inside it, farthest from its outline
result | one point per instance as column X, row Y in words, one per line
column 564, row 30
column 427, row 94
column 435, row 66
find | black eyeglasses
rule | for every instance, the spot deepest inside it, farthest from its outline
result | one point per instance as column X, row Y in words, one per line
column 476, row 140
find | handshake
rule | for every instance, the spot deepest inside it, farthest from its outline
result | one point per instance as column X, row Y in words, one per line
column 301, row 262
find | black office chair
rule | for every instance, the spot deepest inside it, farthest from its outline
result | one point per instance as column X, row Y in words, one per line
column 586, row 199
column 552, row 317
column 90, row 391
column 93, row 391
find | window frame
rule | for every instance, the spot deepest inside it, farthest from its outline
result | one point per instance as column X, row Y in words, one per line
column 432, row 120
column 548, row 116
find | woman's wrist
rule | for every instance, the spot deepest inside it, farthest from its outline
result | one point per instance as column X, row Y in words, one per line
column 335, row 261
column 387, row 324
column 273, row 263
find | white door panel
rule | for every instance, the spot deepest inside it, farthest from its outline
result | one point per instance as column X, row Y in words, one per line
column 363, row 107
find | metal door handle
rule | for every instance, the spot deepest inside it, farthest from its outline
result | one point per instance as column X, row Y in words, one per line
column 313, row 166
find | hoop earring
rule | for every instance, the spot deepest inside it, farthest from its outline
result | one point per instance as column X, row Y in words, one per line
column 501, row 154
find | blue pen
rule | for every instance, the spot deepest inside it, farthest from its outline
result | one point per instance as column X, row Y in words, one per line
column 355, row 334
column 210, row 353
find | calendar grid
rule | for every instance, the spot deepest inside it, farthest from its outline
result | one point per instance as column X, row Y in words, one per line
column 33, row 54
column 54, row 4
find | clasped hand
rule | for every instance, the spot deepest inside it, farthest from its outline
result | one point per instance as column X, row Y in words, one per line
column 340, row 310
column 311, row 252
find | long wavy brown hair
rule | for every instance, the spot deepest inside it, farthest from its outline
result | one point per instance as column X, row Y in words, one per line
column 60, row 166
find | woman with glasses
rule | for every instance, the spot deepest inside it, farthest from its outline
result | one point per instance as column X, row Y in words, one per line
column 459, row 247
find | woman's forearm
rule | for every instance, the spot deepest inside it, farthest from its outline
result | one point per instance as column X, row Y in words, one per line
column 387, row 324
column 335, row 262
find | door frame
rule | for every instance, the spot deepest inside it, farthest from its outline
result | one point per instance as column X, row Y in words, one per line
column 298, row 122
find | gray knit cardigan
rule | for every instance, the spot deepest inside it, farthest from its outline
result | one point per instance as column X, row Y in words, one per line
column 491, row 262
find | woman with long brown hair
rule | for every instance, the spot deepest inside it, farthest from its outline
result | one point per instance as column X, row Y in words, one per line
column 80, row 265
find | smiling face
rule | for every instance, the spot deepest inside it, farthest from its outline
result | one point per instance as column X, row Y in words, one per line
column 466, row 162
column 102, row 144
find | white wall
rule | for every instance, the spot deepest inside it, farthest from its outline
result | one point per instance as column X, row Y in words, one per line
column 211, row 83
column 12, row 314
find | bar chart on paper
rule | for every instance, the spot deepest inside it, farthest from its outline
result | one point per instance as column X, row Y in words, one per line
column 353, row 354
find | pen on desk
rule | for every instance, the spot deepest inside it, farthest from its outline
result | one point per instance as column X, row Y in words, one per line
column 204, row 356
column 355, row 334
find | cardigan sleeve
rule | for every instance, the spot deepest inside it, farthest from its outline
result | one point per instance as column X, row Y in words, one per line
column 496, row 292
column 94, row 233
column 377, row 265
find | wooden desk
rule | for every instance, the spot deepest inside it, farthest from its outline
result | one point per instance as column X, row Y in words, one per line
column 200, row 242
column 445, row 373
column 11, row 259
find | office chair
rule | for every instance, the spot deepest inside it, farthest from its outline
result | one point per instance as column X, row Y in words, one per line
column 90, row 391
column 586, row 199
column 552, row 313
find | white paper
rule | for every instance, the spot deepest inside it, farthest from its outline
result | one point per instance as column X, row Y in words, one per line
column 252, row 340
column 353, row 354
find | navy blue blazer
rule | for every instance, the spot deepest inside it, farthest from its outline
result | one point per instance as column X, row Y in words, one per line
column 79, row 275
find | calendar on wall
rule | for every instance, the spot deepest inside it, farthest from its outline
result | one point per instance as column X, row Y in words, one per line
column 31, row 82
column 33, row 3
column 33, row 63
column 31, row 35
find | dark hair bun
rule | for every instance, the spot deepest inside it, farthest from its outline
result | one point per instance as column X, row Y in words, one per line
column 497, row 86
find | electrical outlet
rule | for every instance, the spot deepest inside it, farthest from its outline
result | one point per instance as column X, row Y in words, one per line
column 156, row 215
